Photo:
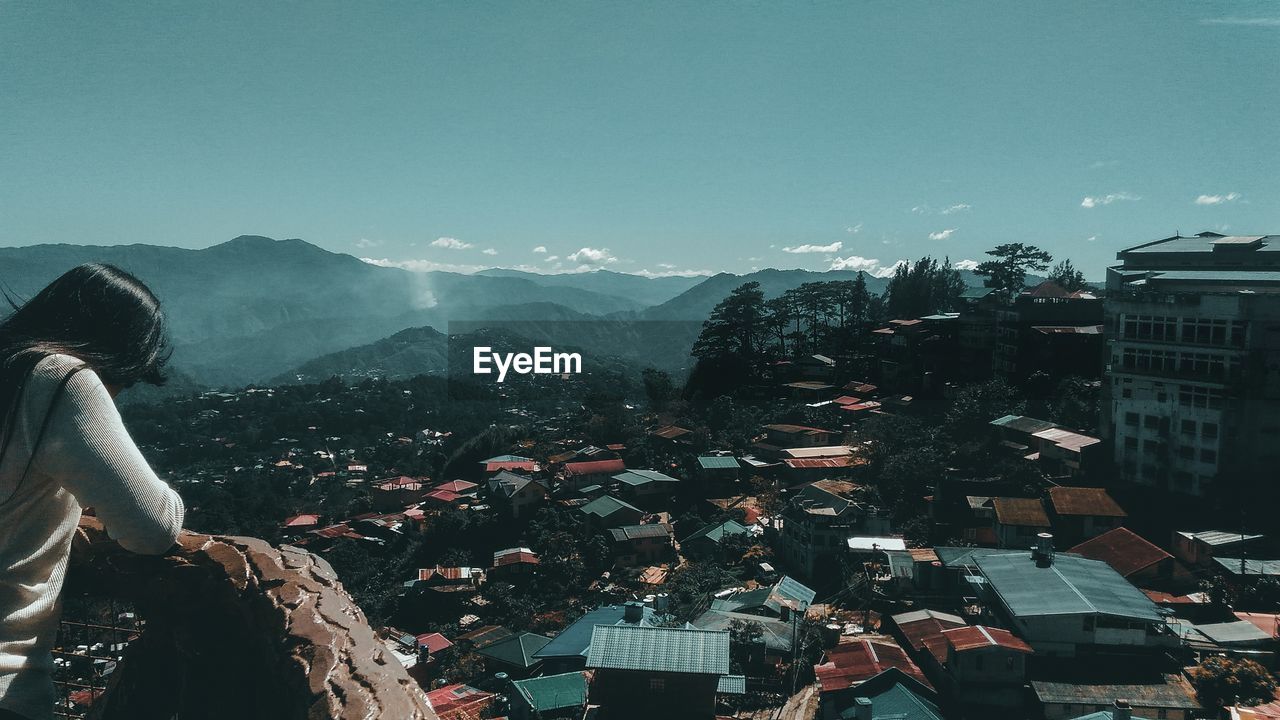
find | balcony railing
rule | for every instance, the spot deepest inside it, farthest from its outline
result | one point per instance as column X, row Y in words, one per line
column 225, row 627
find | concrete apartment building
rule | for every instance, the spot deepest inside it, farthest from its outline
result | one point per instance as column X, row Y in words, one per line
column 1192, row 395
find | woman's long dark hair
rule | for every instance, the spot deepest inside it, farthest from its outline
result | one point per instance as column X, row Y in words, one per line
column 95, row 312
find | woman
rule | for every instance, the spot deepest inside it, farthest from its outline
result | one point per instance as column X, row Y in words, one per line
column 64, row 355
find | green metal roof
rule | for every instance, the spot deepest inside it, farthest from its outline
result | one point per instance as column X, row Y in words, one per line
column 553, row 692
column 894, row 695
column 1071, row 585
column 732, row 685
column 717, row 462
column 516, row 650
column 715, row 533
column 659, row 649
column 605, row 505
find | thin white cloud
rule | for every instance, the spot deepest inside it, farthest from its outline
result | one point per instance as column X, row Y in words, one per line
column 1099, row 164
column 965, row 265
column 943, row 234
column 489, row 251
column 666, row 266
column 1092, row 201
column 551, row 258
column 958, row 207
column 854, row 229
column 423, row 265
column 593, row 256
column 921, row 210
column 1091, row 238
column 672, row 272
column 1244, row 21
column 801, row 249
column 366, row 243
column 541, row 249
column 449, row 243
column 1217, row 199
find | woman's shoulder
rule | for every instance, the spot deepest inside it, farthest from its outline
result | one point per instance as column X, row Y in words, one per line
column 53, row 368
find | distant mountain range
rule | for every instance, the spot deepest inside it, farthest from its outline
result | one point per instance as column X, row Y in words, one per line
column 255, row 309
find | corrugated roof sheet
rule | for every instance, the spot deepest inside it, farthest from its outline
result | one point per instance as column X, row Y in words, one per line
column 659, row 649
column 848, row 664
column 1251, row 567
column 1084, row 501
column 595, row 467
column 606, row 505
column 1123, row 550
column 517, row 650
column 637, row 532
column 574, row 640
column 643, row 477
column 1171, row 693
column 980, row 636
column 717, row 462
column 1070, row 585
column 732, row 685
column 1020, row 512
column 553, row 692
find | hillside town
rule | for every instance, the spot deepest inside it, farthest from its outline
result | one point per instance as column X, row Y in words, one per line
column 1022, row 507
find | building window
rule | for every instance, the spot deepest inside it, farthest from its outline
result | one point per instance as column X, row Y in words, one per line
column 657, row 684
column 1188, row 427
column 1131, row 418
column 1151, row 422
column 1209, row 430
column 1187, row 452
column 1131, row 443
column 1209, row 456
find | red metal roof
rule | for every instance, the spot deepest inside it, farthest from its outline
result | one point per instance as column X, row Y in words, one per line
column 1022, row 512
column 595, row 467
column 435, row 642
column 514, row 556
column 303, row 520
column 1123, row 550
column 1084, row 501
column 444, row 496
column 457, row 486
column 843, row 461
column 851, row 663
column 454, row 702
column 978, row 636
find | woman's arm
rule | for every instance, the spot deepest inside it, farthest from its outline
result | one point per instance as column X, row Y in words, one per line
column 89, row 451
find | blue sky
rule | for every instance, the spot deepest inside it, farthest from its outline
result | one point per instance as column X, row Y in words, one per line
column 643, row 137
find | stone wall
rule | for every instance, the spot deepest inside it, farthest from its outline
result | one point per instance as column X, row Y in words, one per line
column 236, row 628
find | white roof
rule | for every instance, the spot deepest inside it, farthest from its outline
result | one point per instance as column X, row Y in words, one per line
column 877, row 543
column 819, row 452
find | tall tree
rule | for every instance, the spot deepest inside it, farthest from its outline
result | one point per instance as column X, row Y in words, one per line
column 1007, row 273
column 735, row 325
column 1066, row 275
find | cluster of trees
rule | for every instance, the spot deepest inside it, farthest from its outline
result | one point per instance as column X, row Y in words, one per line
column 1006, row 272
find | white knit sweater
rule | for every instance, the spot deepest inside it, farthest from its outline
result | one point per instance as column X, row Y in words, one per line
column 85, row 459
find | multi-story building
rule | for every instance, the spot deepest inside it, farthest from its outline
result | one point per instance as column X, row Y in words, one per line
column 1193, row 382
column 1051, row 330
column 818, row 522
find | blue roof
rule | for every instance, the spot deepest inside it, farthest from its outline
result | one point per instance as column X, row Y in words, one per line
column 1071, row 585
column 574, row 640
column 732, row 685
column 659, row 649
column 642, row 477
